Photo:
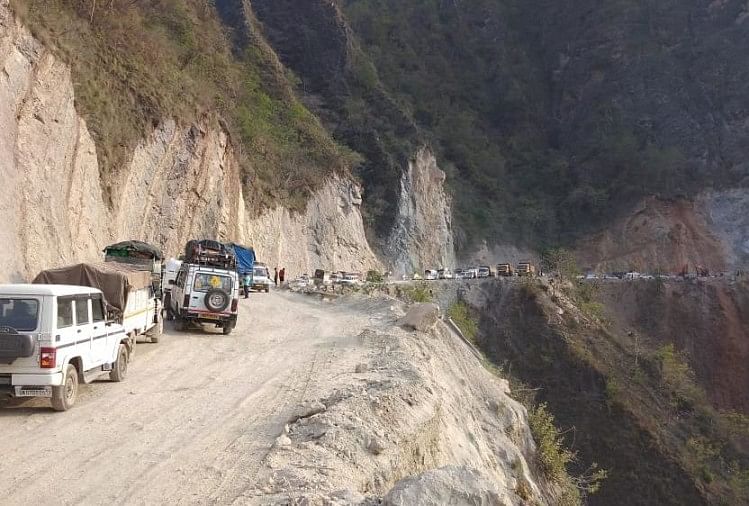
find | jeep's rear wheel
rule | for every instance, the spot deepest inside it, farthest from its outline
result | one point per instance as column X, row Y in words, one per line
column 179, row 324
column 228, row 327
column 65, row 395
column 119, row 368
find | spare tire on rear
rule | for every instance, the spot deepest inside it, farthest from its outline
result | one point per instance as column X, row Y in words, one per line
column 14, row 345
column 216, row 300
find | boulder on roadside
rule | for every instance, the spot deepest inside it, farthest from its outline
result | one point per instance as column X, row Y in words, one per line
column 307, row 410
column 421, row 317
column 446, row 485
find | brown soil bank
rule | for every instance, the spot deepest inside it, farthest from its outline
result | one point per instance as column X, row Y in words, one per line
column 708, row 321
column 627, row 405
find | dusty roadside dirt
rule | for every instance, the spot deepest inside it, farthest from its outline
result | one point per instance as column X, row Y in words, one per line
column 307, row 402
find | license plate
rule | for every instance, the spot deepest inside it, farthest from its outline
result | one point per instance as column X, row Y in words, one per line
column 210, row 317
column 33, row 391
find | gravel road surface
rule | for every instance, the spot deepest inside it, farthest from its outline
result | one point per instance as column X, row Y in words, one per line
column 195, row 418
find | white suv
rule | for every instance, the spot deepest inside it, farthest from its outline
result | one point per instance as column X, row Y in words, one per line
column 55, row 337
column 203, row 294
column 260, row 278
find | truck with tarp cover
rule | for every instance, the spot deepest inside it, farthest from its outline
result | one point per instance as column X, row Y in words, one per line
column 245, row 257
column 128, row 291
column 141, row 254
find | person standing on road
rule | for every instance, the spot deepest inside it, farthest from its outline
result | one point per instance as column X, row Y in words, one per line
column 282, row 275
column 275, row 276
column 246, row 282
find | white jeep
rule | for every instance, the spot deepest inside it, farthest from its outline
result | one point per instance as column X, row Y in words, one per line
column 204, row 294
column 55, row 337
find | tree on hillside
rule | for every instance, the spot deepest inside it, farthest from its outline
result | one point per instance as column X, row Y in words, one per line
column 562, row 261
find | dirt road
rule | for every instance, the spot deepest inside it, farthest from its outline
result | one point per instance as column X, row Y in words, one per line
column 195, row 418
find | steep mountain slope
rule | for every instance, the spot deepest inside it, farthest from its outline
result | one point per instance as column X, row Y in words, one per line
column 160, row 86
column 134, row 63
column 559, row 115
column 181, row 181
column 551, row 119
column 648, row 378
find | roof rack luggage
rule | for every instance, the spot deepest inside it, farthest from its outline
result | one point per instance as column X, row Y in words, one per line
column 210, row 253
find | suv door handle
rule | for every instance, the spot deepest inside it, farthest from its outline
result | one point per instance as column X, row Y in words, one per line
column 78, row 331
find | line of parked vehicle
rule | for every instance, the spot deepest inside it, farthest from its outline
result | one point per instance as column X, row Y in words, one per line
column 523, row 269
column 75, row 324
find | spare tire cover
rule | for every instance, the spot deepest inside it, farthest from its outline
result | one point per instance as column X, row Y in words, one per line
column 216, row 300
column 14, row 345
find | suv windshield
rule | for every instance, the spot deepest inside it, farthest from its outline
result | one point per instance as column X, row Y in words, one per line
column 20, row 314
column 205, row 281
column 260, row 272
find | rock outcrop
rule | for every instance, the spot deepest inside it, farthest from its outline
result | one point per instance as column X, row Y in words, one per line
column 329, row 235
column 52, row 206
column 422, row 236
column 727, row 214
column 182, row 182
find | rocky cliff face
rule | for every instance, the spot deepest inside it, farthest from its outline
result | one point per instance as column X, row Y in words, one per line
column 51, row 202
column 182, row 182
column 422, row 237
column 709, row 231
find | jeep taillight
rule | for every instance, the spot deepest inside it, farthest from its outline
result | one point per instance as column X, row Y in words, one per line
column 234, row 305
column 48, row 358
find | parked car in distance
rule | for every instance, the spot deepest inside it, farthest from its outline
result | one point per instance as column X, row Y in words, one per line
column 206, row 295
column 336, row 277
column 322, row 277
column 445, row 274
column 484, row 272
column 302, row 281
column 505, row 270
column 431, row 275
column 55, row 337
column 261, row 281
column 351, row 279
column 472, row 273
column 526, row 268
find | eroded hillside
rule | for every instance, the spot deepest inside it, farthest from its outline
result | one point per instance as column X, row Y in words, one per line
column 176, row 174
